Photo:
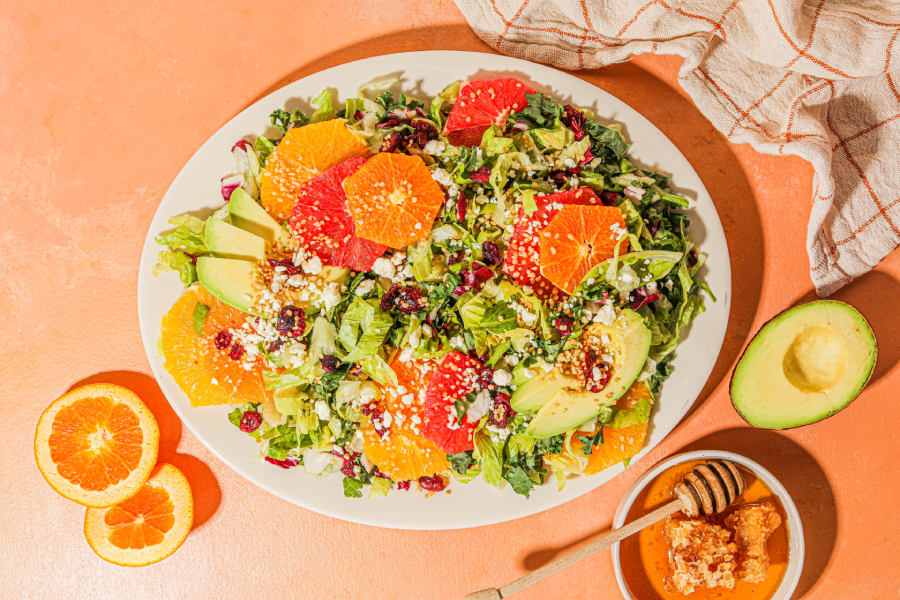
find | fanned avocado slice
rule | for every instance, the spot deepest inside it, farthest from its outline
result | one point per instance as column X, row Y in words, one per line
column 806, row 364
column 228, row 241
column 565, row 407
column 247, row 214
column 230, row 280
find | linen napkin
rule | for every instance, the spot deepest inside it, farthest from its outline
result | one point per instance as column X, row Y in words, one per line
column 818, row 79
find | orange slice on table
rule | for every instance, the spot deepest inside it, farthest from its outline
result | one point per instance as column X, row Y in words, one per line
column 577, row 239
column 205, row 373
column 97, row 444
column 303, row 153
column 393, row 199
column 620, row 444
column 149, row 526
column 405, row 454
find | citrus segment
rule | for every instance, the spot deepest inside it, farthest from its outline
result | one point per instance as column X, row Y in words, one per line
column 404, row 453
column 577, row 239
column 454, row 378
column 522, row 261
column 481, row 104
column 97, row 444
column 620, row 444
column 303, row 153
column 147, row 527
column 207, row 375
column 393, row 199
column 323, row 223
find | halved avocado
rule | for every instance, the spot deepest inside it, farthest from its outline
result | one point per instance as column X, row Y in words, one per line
column 565, row 408
column 805, row 365
column 228, row 241
column 248, row 215
column 230, row 280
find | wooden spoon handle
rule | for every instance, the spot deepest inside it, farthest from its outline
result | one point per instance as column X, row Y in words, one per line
column 558, row 565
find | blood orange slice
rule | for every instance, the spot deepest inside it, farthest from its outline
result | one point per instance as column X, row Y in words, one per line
column 522, row 261
column 322, row 221
column 97, row 444
column 393, row 199
column 454, row 378
column 405, row 454
column 149, row 526
column 303, row 153
column 578, row 238
column 207, row 374
column 620, row 444
column 481, row 104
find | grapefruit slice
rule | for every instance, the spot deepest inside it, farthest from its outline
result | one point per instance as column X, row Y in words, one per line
column 522, row 261
column 97, row 444
column 303, row 153
column 454, row 378
column 207, row 374
column 393, row 199
column 577, row 239
column 620, row 444
column 405, row 454
column 149, row 526
column 323, row 223
column 481, row 104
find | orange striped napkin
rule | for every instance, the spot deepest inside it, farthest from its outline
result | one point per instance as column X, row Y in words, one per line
column 815, row 78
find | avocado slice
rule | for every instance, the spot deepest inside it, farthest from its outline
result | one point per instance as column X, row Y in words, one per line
column 567, row 407
column 228, row 279
column 228, row 241
column 806, row 364
column 248, row 215
column 539, row 387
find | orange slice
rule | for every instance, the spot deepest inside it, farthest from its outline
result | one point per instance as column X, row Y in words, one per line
column 97, row 444
column 405, row 454
column 303, row 153
column 620, row 444
column 577, row 239
column 206, row 374
column 149, row 526
column 393, row 199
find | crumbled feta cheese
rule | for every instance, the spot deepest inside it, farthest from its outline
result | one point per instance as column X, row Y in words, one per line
column 387, row 419
column 434, row 147
column 383, row 267
column 313, row 266
column 480, row 406
column 322, row 410
column 331, row 297
column 606, row 314
column 502, row 377
column 365, row 287
column 442, row 176
column 651, row 288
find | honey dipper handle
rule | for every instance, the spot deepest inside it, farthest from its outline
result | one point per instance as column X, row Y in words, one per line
column 558, row 565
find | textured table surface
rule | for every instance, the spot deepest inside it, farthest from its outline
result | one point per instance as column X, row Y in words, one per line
column 100, row 108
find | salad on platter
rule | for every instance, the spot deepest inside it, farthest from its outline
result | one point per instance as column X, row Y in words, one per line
column 410, row 293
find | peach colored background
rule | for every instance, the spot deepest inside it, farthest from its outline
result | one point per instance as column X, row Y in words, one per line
column 100, row 108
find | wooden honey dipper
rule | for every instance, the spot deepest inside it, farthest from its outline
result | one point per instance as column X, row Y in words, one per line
column 708, row 490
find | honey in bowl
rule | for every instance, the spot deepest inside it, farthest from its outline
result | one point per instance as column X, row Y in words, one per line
column 645, row 555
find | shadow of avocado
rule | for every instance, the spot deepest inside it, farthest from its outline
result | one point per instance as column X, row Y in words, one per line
column 868, row 294
column 804, row 480
column 204, row 485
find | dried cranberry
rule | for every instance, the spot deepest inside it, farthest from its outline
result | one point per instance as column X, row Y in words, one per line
column 574, row 120
column 250, row 421
column 347, row 469
column 392, row 143
column 482, row 359
column 193, row 257
column 290, row 461
column 561, row 177
column 359, row 115
column 477, row 276
column 432, row 483
column 455, row 257
column 275, row 346
column 490, row 252
column 486, row 376
column 563, row 326
column 223, row 340
column 389, row 300
column 289, row 267
column 378, row 473
column 502, row 411
column 371, row 409
column 243, row 145
column 329, row 363
column 595, row 381
column 237, row 351
column 403, row 485
column 411, row 300
column 609, row 198
column 462, row 205
column 291, row 321
column 425, row 132
column 482, row 175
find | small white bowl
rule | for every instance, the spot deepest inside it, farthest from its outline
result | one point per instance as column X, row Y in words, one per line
column 795, row 527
